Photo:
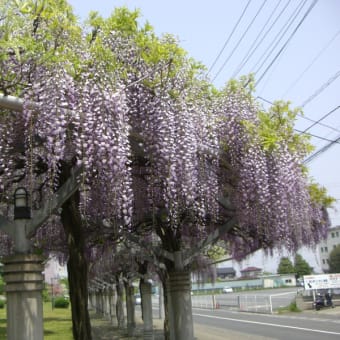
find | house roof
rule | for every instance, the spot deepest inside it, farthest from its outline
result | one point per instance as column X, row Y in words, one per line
column 251, row 269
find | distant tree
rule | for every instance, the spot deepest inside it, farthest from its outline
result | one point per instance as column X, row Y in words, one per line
column 334, row 260
column 216, row 252
column 285, row 266
column 301, row 266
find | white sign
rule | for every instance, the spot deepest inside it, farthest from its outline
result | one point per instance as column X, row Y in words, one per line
column 322, row 281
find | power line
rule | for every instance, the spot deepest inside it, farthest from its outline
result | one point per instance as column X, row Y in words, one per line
column 240, row 40
column 321, row 89
column 316, row 136
column 288, row 40
column 279, row 36
column 304, row 117
column 321, row 124
column 322, row 118
column 322, row 150
column 252, row 50
column 230, row 35
column 322, row 50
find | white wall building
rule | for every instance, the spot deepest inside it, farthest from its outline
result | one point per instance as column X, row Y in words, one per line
column 325, row 247
column 54, row 271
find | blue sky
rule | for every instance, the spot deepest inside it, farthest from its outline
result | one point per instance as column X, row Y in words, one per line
column 306, row 71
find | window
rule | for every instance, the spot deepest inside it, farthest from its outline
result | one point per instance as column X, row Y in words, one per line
column 333, row 235
column 337, row 234
column 334, row 246
column 324, row 261
column 326, row 249
column 321, row 250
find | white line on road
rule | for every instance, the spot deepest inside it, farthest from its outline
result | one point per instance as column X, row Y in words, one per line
column 267, row 324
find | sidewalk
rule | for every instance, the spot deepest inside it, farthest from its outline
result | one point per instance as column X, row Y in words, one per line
column 103, row 329
column 327, row 313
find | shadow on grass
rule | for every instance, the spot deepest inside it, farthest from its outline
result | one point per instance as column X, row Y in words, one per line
column 56, row 319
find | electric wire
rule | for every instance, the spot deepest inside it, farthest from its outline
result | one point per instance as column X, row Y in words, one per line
column 279, row 36
column 229, row 37
column 321, row 89
column 304, row 117
column 240, row 40
column 322, row 118
column 315, row 136
column 253, row 49
column 321, row 151
column 322, row 50
column 287, row 41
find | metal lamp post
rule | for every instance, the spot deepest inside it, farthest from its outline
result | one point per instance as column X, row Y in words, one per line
column 23, row 277
column 21, row 204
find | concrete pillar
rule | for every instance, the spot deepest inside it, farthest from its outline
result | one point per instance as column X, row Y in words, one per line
column 146, row 292
column 24, row 285
column 180, row 308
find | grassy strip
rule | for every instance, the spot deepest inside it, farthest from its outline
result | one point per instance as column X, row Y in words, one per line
column 290, row 308
column 57, row 323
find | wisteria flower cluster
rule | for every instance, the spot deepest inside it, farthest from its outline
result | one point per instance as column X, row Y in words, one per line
column 152, row 136
column 270, row 193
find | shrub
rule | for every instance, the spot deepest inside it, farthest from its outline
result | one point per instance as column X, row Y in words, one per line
column 61, row 302
column 2, row 303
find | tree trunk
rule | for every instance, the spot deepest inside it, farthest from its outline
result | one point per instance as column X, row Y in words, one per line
column 113, row 311
column 146, row 292
column 164, row 278
column 130, row 308
column 119, row 305
column 77, row 268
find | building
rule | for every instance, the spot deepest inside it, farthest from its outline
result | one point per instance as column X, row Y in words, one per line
column 54, row 271
column 325, row 247
column 251, row 272
column 225, row 273
column 277, row 280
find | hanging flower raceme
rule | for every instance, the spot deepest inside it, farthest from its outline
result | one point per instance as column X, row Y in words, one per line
column 80, row 123
column 270, row 194
column 180, row 148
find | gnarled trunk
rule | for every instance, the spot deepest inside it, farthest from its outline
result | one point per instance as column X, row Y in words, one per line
column 163, row 278
column 119, row 305
column 130, row 308
column 146, row 292
column 77, row 268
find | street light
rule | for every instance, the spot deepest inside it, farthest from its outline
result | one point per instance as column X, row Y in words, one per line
column 23, row 276
column 21, row 207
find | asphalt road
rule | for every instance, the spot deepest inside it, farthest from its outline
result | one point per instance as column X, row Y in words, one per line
column 231, row 325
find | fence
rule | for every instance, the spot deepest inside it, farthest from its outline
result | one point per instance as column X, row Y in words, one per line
column 257, row 303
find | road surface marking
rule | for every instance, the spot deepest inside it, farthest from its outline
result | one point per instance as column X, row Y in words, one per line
column 267, row 324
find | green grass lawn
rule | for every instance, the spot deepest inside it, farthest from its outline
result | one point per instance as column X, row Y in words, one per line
column 57, row 323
